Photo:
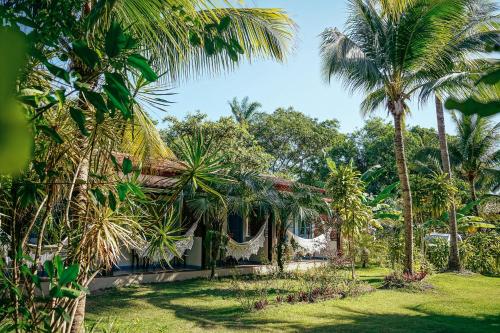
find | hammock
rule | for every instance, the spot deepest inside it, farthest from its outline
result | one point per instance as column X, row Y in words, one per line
column 310, row 245
column 181, row 246
column 246, row 249
column 47, row 252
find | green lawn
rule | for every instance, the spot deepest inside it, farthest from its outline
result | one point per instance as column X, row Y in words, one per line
column 457, row 304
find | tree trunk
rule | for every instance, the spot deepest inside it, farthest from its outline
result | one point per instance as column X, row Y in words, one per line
column 473, row 195
column 352, row 255
column 280, row 249
column 79, row 317
column 399, row 149
column 454, row 259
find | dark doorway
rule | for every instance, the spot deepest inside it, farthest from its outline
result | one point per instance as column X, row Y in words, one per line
column 235, row 226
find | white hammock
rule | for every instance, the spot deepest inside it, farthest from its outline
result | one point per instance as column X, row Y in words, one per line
column 310, row 246
column 47, row 252
column 246, row 249
column 181, row 246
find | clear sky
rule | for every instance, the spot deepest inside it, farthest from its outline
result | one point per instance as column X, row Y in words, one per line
column 296, row 83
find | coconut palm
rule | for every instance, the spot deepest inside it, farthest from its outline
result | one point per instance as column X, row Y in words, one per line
column 386, row 47
column 243, row 111
column 472, row 35
column 476, row 151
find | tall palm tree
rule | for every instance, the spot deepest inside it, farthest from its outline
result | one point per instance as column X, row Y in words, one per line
column 243, row 111
column 476, row 150
column 383, row 52
column 471, row 36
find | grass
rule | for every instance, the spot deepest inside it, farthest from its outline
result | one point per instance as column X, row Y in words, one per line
column 458, row 303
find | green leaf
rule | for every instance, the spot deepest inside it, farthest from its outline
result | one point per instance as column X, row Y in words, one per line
column 194, row 39
column 69, row 274
column 57, row 71
column 209, row 46
column 40, row 169
column 117, row 40
column 55, row 292
column 117, row 82
column 490, row 78
column 48, row 267
column 115, row 162
column 50, row 132
column 79, row 118
column 96, row 100
column 471, row 106
column 88, row 56
column 127, row 166
column 70, row 293
column 112, row 200
column 236, row 46
column 59, row 265
column 122, row 189
column 118, row 93
column 139, row 62
column 101, row 199
column 224, row 24
column 136, row 190
column 233, row 55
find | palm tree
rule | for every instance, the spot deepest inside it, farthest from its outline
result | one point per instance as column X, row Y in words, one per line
column 476, row 150
column 385, row 49
column 472, row 35
column 243, row 111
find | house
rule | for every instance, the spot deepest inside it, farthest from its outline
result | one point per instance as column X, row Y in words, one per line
column 251, row 239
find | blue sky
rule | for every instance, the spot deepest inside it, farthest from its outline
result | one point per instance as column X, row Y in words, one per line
column 296, row 83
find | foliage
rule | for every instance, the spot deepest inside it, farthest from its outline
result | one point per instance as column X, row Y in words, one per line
column 296, row 142
column 476, row 152
column 345, row 187
column 46, row 314
column 481, row 252
column 243, row 112
column 438, row 252
column 241, row 150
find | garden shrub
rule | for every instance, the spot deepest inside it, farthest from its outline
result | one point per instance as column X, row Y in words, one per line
column 480, row 253
column 438, row 252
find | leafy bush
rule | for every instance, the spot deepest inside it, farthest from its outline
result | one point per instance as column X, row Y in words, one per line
column 438, row 251
column 481, row 253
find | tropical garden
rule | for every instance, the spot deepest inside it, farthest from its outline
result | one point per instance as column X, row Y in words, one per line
column 414, row 211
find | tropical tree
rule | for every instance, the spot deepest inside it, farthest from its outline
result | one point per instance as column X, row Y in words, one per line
column 386, row 47
column 200, row 186
column 84, row 47
column 476, row 151
column 243, row 112
column 346, row 189
column 297, row 142
column 473, row 33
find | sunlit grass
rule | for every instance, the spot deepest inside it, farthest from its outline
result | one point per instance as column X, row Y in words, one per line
column 458, row 303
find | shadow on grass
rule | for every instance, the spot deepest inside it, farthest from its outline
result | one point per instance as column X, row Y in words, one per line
column 203, row 314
